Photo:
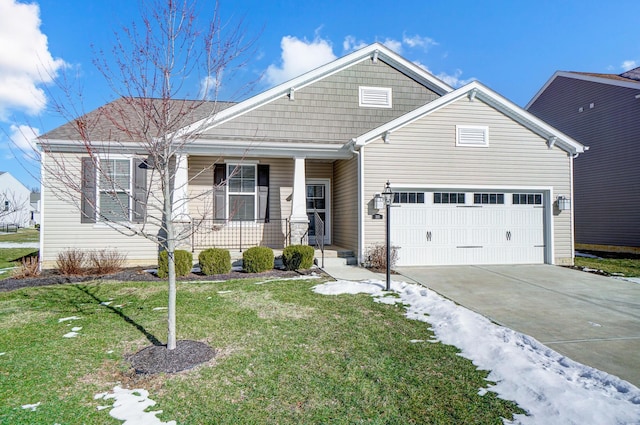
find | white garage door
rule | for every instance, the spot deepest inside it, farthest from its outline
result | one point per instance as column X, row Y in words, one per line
column 453, row 228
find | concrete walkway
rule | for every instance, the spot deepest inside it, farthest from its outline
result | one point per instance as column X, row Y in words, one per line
column 591, row 319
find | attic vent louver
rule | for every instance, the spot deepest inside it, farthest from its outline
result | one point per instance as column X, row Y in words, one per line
column 375, row 97
column 467, row 135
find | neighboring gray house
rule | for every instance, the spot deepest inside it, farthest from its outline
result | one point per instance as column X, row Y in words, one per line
column 601, row 111
column 476, row 178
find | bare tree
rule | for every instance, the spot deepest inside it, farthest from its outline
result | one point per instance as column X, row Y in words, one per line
column 152, row 65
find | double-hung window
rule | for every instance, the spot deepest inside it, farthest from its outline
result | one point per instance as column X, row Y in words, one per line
column 114, row 190
column 242, row 192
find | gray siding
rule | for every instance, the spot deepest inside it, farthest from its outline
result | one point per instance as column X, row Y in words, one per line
column 345, row 204
column 328, row 111
column 606, row 187
column 425, row 153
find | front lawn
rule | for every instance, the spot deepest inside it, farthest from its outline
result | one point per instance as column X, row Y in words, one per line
column 10, row 257
column 23, row 235
column 629, row 267
column 286, row 355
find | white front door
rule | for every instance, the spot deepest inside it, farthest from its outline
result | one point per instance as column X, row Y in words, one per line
column 319, row 201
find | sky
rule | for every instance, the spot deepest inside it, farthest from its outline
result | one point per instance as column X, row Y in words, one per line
column 511, row 46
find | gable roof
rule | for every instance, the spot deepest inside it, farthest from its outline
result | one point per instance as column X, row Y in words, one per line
column 115, row 120
column 477, row 90
column 629, row 79
column 375, row 51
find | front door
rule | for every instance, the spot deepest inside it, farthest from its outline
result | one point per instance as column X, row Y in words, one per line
column 318, row 201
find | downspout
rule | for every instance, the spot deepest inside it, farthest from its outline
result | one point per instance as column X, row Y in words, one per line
column 43, row 158
column 573, row 217
column 357, row 153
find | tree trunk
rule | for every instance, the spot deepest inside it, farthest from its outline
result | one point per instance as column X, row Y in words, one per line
column 171, row 250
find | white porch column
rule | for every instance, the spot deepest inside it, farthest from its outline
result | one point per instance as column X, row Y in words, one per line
column 181, row 191
column 299, row 219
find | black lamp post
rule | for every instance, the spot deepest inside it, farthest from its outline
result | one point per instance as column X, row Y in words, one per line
column 388, row 198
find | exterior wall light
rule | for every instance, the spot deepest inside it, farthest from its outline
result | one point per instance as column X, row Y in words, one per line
column 564, row 203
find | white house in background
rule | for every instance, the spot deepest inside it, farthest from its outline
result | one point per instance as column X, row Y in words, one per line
column 15, row 205
column 477, row 179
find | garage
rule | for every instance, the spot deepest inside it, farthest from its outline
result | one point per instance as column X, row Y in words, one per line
column 456, row 227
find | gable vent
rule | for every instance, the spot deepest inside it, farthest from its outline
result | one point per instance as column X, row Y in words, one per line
column 375, row 97
column 467, row 135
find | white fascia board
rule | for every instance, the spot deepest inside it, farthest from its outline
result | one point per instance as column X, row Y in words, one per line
column 270, row 149
column 499, row 102
column 78, row 146
column 384, row 54
column 527, row 119
column 583, row 77
column 472, row 187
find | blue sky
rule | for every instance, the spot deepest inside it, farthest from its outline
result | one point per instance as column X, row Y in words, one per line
column 511, row 46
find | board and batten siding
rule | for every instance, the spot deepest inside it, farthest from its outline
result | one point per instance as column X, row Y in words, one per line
column 61, row 227
column 345, row 204
column 607, row 195
column 328, row 110
column 425, row 153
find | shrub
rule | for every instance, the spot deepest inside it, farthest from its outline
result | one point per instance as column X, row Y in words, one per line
column 257, row 259
column 106, row 261
column 29, row 267
column 297, row 257
column 215, row 261
column 377, row 257
column 70, row 262
column 184, row 263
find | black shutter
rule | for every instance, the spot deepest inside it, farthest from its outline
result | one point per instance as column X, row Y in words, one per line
column 139, row 191
column 263, row 192
column 88, row 191
column 219, row 196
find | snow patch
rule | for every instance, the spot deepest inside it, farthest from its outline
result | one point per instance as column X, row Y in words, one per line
column 159, row 308
column 64, row 319
column 552, row 388
column 31, row 407
column 70, row 335
column 130, row 406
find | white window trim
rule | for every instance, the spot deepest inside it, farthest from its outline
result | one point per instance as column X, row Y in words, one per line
column 362, row 98
column 99, row 191
column 484, row 129
column 230, row 166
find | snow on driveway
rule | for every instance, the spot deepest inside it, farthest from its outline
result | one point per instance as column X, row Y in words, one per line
column 552, row 388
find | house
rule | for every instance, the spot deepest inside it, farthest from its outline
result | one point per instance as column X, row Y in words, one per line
column 603, row 112
column 34, row 211
column 14, row 201
column 475, row 178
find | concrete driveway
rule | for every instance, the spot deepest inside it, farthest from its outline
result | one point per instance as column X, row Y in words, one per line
column 591, row 319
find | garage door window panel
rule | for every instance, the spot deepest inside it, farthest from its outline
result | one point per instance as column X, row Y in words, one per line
column 448, row 198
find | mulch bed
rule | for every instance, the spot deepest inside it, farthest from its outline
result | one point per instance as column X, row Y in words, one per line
column 135, row 274
column 157, row 359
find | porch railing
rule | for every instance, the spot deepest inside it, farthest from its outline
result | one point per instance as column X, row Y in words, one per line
column 239, row 234
column 8, row 228
column 319, row 233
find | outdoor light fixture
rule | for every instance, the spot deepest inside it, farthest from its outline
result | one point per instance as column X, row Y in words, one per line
column 378, row 201
column 388, row 198
column 564, row 203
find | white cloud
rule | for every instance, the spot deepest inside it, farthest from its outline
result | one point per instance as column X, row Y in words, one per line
column 23, row 137
column 454, row 79
column 210, row 86
column 25, row 60
column 350, row 44
column 629, row 64
column 299, row 56
column 394, row 45
column 418, row 41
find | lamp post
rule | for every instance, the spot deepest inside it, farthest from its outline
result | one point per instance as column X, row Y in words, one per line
column 388, row 198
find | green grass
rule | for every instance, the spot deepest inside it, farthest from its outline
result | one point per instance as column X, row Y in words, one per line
column 629, row 267
column 285, row 356
column 23, row 235
column 10, row 257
